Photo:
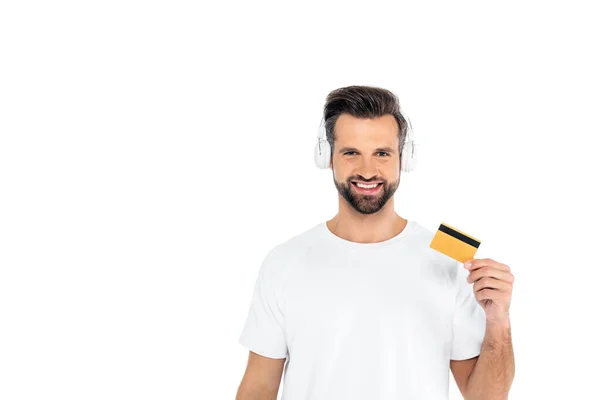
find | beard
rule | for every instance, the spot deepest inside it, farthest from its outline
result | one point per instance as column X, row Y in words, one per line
column 366, row 203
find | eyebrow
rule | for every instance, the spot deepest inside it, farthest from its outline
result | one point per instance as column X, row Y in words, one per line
column 385, row 149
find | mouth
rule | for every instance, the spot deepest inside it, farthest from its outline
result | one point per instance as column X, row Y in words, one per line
column 367, row 188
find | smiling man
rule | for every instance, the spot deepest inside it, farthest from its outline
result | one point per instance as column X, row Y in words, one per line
column 360, row 306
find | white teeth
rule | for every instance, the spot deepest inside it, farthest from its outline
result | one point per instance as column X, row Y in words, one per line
column 360, row 185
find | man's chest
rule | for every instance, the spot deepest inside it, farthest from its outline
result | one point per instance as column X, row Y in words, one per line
column 364, row 299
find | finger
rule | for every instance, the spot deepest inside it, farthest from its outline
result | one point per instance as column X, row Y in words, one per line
column 488, row 294
column 482, row 262
column 491, row 283
column 491, row 272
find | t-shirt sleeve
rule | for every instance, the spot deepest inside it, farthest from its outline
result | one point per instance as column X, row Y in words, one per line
column 468, row 320
column 263, row 332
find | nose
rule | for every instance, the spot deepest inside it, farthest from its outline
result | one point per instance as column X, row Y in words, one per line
column 367, row 169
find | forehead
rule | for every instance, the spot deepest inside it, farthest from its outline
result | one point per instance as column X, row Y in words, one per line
column 380, row 131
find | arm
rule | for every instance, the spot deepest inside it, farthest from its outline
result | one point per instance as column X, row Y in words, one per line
column 489, row 376
column 494, row 371
column 261, row 378
column 461, row 369
column 264, row 333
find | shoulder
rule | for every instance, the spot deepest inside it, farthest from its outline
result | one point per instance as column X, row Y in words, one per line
column 283, row 256
column 298, row 244
column 421, row 233
column 421, row 239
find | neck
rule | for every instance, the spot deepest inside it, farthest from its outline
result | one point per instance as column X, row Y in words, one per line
column 351, row 225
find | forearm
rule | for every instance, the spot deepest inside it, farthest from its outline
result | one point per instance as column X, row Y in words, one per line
column 494, row 371
column 250, row 390
column 255, row 395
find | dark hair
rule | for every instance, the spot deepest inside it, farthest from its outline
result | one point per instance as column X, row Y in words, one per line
column 362, row 102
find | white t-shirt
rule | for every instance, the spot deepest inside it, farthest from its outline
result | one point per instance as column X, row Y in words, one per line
column 360, row 321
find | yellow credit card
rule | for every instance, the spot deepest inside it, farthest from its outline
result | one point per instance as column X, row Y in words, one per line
column 454, row 243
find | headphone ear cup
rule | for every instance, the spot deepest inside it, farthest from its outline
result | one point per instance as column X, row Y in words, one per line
column 322, row 154
column 409, row 156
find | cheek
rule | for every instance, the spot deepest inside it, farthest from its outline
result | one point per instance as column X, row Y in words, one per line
column 391, row 172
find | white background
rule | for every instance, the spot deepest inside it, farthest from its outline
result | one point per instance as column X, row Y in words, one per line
column 151, row 153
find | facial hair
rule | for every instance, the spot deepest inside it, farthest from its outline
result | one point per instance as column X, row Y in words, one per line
column 366, row 203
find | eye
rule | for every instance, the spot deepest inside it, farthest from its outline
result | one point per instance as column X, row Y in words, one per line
column 379, row 152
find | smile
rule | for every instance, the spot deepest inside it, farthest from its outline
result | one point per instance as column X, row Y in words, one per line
column 367, row 188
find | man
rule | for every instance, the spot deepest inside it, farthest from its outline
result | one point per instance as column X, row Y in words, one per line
column 360, row 306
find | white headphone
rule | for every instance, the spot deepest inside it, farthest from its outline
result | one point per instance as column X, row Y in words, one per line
column 408, row 158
